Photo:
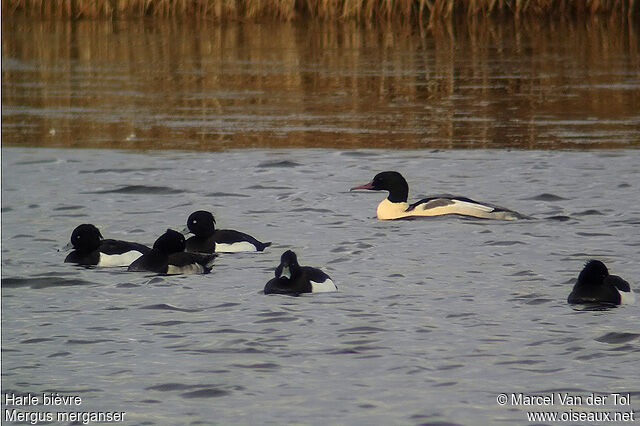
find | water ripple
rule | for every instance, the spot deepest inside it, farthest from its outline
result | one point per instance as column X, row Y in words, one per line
column 615, row 337
column 141, row 189
column 43, row 282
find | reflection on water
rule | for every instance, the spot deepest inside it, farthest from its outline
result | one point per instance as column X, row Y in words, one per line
column 168, row 84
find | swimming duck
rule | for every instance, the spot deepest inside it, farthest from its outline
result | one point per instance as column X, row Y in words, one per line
column 90, row 248
column 168, row 257
column 395, row 206
column 208, row 239
column 293, row 279
column 595, row 285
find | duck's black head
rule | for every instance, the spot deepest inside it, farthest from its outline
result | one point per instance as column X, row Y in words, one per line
column 593, row 273
column 86, row 237
column 288, row 265
column 201, row 223
column 389, row 181
column 170, row 242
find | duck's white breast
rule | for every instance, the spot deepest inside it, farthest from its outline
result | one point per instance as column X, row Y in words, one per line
column 388, row 210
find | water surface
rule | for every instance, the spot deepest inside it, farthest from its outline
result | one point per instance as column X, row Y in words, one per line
column 434, row 318
column 199, row 85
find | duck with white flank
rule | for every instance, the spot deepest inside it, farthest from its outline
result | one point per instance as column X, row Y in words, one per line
column 207, row 239
column 395, row 206
column 90, row 248
column 168, row 257
column 292, row 279
column 595, row 285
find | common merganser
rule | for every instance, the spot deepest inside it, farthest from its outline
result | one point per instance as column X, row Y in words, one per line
column 395, row 206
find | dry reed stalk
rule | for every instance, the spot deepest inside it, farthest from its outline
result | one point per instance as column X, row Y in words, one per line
column 359, row 10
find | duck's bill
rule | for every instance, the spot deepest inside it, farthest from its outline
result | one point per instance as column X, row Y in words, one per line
column 68, row 247
column 185, row 231
column 365, row 186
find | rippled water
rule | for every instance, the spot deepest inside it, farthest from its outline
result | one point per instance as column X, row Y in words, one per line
column 434, row 318
column 173, row 84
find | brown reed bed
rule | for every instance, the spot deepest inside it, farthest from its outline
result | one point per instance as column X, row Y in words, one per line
column 287, row 10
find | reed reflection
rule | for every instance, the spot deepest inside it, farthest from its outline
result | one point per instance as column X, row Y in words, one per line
column 198, row 85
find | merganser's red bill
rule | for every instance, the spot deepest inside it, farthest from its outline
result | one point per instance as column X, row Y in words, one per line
column 366, row 186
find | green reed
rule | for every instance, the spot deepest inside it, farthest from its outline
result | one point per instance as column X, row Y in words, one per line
column 358, row 10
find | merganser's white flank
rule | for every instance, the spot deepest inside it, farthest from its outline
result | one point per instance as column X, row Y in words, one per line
column 395, row 206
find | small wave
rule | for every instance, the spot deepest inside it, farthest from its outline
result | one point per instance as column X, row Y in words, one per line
column 57, row 354
column 227, row 330
column 615, row 338
column 32, row 162
column 42, row 282
column 363, row 329
column 546, row 197
column 264, row 366
column 278, row 164
column 37, row 340
column 141, row 189
column 165, row 323
column 276, row 319
column 593, row 234
column 164, row 306
column 503, row 243
column 167, row 387
column 127, row 285
column 359, row 154
column 591, row 212
column 97, row 171
column 63, row 208
column 267, row 187
column 201, row 391
column 523, row 273
column 226, row 305
column 309, row 209
column 206, row 393
column 226, row 194
column 223, row 351
column 559, row 218
column 539, row 301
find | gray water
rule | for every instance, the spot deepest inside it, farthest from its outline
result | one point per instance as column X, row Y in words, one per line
column 434, row 318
